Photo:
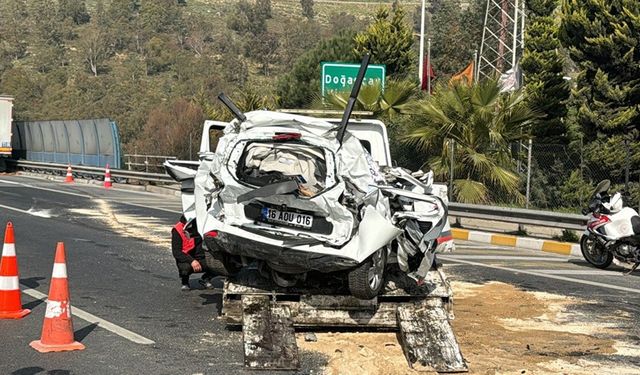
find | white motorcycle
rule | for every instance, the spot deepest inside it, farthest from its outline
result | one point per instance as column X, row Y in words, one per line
column 613, row 231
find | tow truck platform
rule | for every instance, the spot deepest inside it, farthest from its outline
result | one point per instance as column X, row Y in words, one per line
column 269, row 316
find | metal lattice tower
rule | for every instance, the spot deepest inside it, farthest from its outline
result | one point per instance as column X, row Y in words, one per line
column 502, row 37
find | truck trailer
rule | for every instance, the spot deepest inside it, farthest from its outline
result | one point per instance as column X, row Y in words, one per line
column 6, row 117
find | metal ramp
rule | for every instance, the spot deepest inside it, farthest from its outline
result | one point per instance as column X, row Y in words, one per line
column 269, row 314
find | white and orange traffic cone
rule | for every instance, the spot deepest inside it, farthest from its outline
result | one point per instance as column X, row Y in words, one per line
column 57, row 329
column 69, row 178
column 107, row 177
column 10, row 302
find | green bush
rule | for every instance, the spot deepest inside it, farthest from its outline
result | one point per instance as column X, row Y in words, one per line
column 575, row 192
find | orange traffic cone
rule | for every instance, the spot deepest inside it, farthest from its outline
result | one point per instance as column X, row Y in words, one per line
column 10, row 303
column 69, row 175
column 57, row 329
column 107, row 177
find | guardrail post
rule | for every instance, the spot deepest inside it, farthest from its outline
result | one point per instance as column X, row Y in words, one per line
column 146, row 164
column 529, row 171
column 453, row 147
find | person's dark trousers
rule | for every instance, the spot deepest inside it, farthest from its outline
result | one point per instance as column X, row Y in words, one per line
column 185, row 270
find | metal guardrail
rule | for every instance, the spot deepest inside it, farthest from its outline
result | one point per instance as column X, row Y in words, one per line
column 519, row 216
column 93, row 171
column 470, row 211
column 144, row 162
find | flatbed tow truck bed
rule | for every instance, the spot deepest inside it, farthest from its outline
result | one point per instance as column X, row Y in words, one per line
column 270, row 314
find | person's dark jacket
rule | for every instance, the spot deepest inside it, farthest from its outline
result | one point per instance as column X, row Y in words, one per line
column 176, row 245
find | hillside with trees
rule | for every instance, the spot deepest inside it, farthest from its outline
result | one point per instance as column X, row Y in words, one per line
column 156, row 67
column 138, row 60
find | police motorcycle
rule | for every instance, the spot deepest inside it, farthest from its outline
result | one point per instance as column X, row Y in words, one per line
column 613, row 231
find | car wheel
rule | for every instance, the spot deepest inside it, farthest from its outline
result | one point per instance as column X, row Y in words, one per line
column 366, row 280
column 595, row 253
column 221, row 263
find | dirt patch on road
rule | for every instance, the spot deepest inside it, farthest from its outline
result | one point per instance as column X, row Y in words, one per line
column 145, row 228
column 501, row 330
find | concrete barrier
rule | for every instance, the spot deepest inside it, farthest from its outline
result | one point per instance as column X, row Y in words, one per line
column 564, row 248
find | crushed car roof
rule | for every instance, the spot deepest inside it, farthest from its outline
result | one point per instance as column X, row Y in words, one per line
column 267, row 118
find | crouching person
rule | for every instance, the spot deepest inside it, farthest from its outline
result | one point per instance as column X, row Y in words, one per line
column 186, row 246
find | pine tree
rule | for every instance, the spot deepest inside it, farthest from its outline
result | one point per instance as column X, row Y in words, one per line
column 455, row 34
column 389, row 40
column 48, row 35
column 263, row 7
column 121, row 17
column 307, row 9
column 302, row 84
column 76, row 10
column 160, row 16
column 13, row 46
column 249, row 18
column 542, row 63
column 603, row 39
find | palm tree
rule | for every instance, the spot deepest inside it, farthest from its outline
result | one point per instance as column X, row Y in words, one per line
column 479, row 123
column 390, row 102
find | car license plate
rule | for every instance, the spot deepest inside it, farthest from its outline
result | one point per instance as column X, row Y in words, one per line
column 286, row 217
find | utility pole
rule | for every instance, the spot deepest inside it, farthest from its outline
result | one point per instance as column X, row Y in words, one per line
column 475, row 66
column 453, row 148
column 626, row 164
column 421, row 60
column 529, row 151
column 429, row 67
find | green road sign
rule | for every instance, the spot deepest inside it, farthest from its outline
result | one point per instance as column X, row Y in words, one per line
column 341, row 77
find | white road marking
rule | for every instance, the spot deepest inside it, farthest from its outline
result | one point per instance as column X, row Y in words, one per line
column 480, row 247
column 115, row 200
column 539, row 274
column 144, row 206
column 43, row 213
column 146, row 200
column 47, row 189
column 579, row 272
column 123, row 332
column 507, row 257
column 97, row 186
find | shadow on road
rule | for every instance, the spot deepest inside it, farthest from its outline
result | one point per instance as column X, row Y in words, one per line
column 39, row 370
column 33, row 304
column 613, row 268
column 31, row 282
column 82, row 333
column 210, row 299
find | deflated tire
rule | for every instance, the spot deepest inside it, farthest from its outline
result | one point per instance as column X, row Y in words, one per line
column 366, row 280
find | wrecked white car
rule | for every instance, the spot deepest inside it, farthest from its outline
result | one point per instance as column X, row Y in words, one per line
column 280, row 189
column 297, row 195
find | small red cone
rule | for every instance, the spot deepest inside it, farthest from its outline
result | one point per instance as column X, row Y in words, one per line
column 10, row 302
column 69, row 178
column 57, row 329
column 107, row 177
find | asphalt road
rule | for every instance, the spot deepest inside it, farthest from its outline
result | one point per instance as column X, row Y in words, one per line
column 129, row 282
column 124, row 274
